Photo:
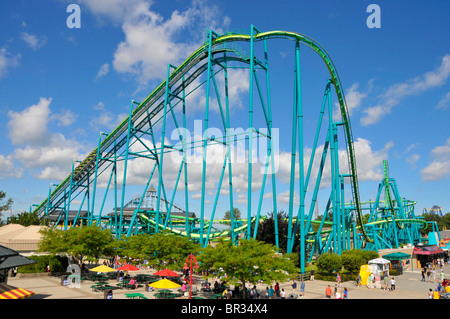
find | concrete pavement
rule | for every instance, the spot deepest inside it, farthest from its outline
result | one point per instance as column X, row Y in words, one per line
column 408, row 286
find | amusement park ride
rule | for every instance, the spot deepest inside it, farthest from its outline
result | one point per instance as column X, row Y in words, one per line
column 144, row 137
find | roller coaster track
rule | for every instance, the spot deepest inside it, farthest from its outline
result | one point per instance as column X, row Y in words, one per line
column 218, row 234
column 118, row 136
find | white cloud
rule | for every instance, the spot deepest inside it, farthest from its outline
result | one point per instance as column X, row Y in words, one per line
column 66, row 118
column 395, row 93
column 444, row 103
column 44, row 154
column 353, row 98
column 7, row 61
column 106, row 119
column 152, row 41
column 412, row 160
column 34, row 41
column 30, row 125
column 7, row 168
column 440, row 166
column 104, row 69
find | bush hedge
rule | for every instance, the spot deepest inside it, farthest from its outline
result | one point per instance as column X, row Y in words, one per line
column 56, row 263
column 348, row 264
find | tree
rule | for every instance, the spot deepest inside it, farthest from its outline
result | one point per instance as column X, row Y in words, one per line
column 249, row 262
column 352, row 260
column 78, row 242
column 329, row 262
column 163, row 250
column 27, row 219
column 236, row 214
column 266, row 231
column 4, row 206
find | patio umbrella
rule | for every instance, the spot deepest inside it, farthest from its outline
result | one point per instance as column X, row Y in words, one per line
column 164, row 284
column 10, row 292
column 102, row 268
column 128, row 267
column 166, row 273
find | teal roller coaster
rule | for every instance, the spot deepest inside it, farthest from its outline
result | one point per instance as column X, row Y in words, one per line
column 203, row 84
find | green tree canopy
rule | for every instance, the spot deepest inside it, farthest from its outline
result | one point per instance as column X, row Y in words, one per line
column 352, row 260
column 78, row 242
column 27, row 219
column 163, row 250
column 266, row 231
column 4, row 206
column 329, row 262
column 248, row 262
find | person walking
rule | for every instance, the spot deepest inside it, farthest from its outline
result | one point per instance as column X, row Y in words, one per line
column 338, row 279
column 430, row 294
column 312, row 274
column 423, row 274
column 345, row 293
column 358, row 280
column 392, row 284
column 328, row 292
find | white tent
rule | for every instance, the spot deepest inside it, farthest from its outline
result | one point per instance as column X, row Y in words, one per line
column 379, row 261
column 379, row 266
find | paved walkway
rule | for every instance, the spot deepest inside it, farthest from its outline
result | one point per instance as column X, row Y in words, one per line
column 408, row 286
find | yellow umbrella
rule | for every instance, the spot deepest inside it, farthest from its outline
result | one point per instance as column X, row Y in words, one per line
column 103, row 268
column 164, row 284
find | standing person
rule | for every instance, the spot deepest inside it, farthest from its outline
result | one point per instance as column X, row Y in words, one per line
column 294, row 286
column 302, row 288
column 283, row 294
column 271, row 293
column 266, row 293
column 328, row 292
column 392, row 284
column 430, row 294
column 442, row 276
column 338, row 279
column 358, row 280
column 435, row 294
column 337, row 294
column 386, row 281
column 423, row 274
column 345, row 293
column 312, row 274
column 277, row 291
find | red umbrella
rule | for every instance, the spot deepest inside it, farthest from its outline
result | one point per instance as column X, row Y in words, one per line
column 128, row 267
column 166, row 273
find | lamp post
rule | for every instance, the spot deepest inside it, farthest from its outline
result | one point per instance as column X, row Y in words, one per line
column 189, row 260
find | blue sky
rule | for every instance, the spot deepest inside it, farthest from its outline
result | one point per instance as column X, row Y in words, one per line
column 60, row 86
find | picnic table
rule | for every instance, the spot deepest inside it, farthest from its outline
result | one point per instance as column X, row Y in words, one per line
column 135, row 295
column 165, row 296
column 97, row 286
column 99, row 277
column 125, row 285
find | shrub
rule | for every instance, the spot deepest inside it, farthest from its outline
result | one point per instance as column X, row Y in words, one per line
column 56, row 263
column 329, row 262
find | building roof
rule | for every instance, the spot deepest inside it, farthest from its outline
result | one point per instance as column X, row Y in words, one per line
column 20, row 238
column 10, row 258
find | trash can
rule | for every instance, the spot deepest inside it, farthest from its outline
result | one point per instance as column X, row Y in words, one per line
column 64, row 281
column 108, row 294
